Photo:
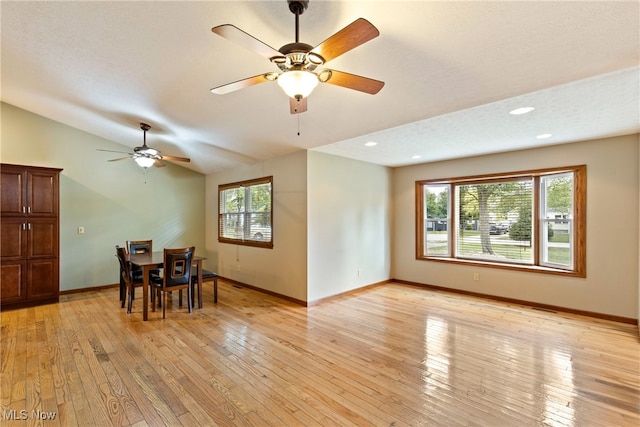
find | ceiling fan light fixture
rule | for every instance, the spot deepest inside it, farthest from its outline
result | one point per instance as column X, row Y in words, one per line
column 298, row 83
column 324, row 75
column 144, row 162
column 315, row 59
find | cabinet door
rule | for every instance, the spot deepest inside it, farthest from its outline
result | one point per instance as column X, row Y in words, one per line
column 12, row 281
column 12, row 188
column 42, row 193
column 42, row 279
column 13, row 235
column 42, row 241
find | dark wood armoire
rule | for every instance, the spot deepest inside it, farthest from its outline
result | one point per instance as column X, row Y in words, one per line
column 30, row 242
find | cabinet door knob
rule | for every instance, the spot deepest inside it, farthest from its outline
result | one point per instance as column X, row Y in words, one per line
column 29, row 209
column 24, row 226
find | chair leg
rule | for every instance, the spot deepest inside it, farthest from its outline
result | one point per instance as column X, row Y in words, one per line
column 180, row 298
column 193, row 293
column 190, row 298
column 131, row 288
column 215, row 289
column 164, row 304
column 123, row 292
column 195, row 290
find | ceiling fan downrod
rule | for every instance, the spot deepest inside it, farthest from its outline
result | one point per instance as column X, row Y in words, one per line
column 145, row 127
column 297, row 7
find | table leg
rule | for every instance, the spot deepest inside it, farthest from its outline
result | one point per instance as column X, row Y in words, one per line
column 145, row 291
column 199, row 263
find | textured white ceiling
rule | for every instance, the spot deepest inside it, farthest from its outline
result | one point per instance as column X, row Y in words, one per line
column 452, row 70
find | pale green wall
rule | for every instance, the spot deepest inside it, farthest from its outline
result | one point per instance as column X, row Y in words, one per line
column 283, row 269
column 113, row 201
column 611, row 285
column 349, row 235
column 331, row 218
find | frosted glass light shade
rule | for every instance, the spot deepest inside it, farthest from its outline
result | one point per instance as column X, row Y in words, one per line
column 297, row 83
column 144, row 162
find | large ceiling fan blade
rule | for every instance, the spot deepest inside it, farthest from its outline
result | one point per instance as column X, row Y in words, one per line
column 351, row 81
column 175, row 159
column 297, row 106
column 121, row 158
column 353, row 35
column 241, row 84
column 112, row 151
column 236, row 35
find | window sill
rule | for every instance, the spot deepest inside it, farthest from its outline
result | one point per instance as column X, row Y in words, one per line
column 256, row 244
column 507, row 266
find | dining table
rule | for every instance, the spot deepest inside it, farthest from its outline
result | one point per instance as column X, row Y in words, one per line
column 152, row 261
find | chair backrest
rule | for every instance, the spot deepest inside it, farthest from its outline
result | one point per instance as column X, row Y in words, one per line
column 125, row 265
column 177, row 266
column 140, row 246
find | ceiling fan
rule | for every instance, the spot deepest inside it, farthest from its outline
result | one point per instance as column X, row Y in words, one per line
column 146, row 156
column 300, row 64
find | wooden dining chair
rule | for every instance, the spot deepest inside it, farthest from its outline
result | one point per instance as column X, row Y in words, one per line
column 126, row 277
column 176, row 277
column 139, row 246
column 207, row 276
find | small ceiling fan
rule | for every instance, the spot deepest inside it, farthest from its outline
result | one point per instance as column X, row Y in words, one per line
column 301, row 64
column 146, row 156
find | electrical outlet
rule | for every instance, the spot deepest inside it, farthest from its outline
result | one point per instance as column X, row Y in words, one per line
column 476, row 276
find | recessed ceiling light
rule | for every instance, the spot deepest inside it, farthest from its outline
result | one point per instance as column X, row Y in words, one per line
column 544, row 136
column 416, row 156
column 371, row 144
column 522, row 110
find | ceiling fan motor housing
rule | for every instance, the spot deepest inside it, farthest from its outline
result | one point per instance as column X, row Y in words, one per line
column 298, row 6
column 297, row 55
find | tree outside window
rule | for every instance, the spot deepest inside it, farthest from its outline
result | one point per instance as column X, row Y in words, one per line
column 531, row 219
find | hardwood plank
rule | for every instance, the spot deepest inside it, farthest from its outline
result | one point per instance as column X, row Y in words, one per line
column 8, row 334
column 393, row 354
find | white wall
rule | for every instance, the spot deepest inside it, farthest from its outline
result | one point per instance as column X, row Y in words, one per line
column 349, row 227
column 114, row 201
column 283, row 269
column 611, row 286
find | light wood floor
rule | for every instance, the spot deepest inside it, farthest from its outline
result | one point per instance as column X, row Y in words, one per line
column 392, row 355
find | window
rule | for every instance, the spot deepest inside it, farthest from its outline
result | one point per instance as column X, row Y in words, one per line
column 244, row 213
column 533, row 220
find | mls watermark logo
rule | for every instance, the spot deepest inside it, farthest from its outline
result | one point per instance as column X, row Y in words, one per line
column 13, row 414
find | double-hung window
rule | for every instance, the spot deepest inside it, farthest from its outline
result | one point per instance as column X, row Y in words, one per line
column 534, row 220
column 244, row 212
